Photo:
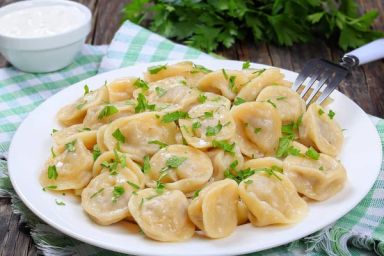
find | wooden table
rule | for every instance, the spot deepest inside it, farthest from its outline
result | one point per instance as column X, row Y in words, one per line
column 365, row 86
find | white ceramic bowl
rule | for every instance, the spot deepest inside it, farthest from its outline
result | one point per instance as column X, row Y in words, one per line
column 48, row 53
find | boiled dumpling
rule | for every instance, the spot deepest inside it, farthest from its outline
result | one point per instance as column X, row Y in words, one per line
column 191, row 72
column 224, row 82
column 316, row 179
column 222, row 159
column 112, row 161
column 271, row 76
column 209, row 98
column 320, row 131
column 72, row 169
column 180, row 167
column 122, row 89
column 215, row 209
column 71, row 133
column 99, row 115
column 134, row 134
column 207, row 122
column 106, row 197
column 100, row 138
column 270, row 196
column 74, row 113
column 287, row 102
column 242, row 213
column 258, row 128
column 171, row 91
column 162, row 216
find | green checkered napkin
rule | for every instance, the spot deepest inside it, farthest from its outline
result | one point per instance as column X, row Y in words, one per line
column 361, row 231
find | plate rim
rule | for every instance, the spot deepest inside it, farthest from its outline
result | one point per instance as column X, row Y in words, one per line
column 68, row 232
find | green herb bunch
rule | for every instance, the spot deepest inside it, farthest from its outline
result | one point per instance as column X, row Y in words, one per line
column 208, row 24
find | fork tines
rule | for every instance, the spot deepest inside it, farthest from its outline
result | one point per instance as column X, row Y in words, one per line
column 321, row 73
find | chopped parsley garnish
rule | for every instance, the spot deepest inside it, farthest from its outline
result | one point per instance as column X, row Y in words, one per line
column 156, row 69
column 117, row 192
column 239, row 175
column 133, row 185
column 320, row 112
column 159, row 143
column 246, row 65
column 321, row 168
column 208, row 114
column 53, row 131
column 232, row 83
column 196, row 193
column 312, row 153
column 159, row 187
column 146, row 165
column 287, row 129
column 238, row 101
column 270, row 102
column 284, row 144
column 271, row 171
column 118, row 135
column 199, row 68
column 293, row 151
column 174, row 116
column 196, row 125
column 257, row 130
column 96, row 152
column 86, row 129
column 259, row 72
column 97, row 193
column 52, row 172
column 142, row 104
column 298, row 122
column 202, row 98
column 70, row 146
column 61, row 203
column 248, row 182
column 139, row 83
column 175, row 161
column 225, row 74
column 86, row 89
column 120, row 158
column 111, row 166
column 281, row 98
column 51, row 187
column 107, row 111
column 53, row 153
column 331, row 114
column 213, row 130
column 160, row 91
column 224, row 145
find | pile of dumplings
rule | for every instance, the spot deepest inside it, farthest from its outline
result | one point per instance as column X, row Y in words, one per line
column 185, row 149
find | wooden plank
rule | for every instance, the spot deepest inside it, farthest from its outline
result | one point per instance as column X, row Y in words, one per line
column 108, row 20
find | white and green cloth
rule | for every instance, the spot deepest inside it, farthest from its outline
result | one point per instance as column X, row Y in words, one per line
column 361, row 231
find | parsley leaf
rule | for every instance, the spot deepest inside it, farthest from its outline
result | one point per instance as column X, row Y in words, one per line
column 108, row 110
column 238, row 101
column 142, row 104
column 196, row 125
column 199, row 68
column 213, row 130
column 70, row 146
column 246, row 65
column 96, row 152
column 139, row 83
column 270, row 102
column 175, row 161
column 202, row 98
column 174, row 116
column 196, row 193
column 133, row 185
column 86, row 89
column 97, row 193
column 160, row 91
column 224, row 145
column 118, row 135
column 320, row 112
column 331, row 114
column 52, row 172
column 156, row 69
column 312, row 153
column 117, row 192
column 146, row 165
column 61, row 203
column 257, row 130
column 159, row 143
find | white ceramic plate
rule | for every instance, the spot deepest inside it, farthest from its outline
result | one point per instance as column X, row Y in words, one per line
column 361, row 156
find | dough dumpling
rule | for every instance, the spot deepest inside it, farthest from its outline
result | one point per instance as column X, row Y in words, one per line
column 320, row 131
column 106, row 197
column 258, row 128
column 137, row 132
column 112, row 161
column 103, row 114
column 191, row 72
column 288, row 103
column 162, row 217
column 100, row 138
column 74, row 113
column 271, row 76
column 71, row 133
column 72, row 169
column 121, row 89
column 181, row 167
column 215, row 209
column 242, row 213
column 171, row 91
column 316, row 179
column 224, row 82
column 270, row 196
column 221, row 160
column 209, row 98
column 207, row 122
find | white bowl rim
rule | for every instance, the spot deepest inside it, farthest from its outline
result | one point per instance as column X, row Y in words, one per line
column 77, row 33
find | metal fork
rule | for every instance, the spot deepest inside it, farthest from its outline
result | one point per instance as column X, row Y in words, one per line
column 323, row 73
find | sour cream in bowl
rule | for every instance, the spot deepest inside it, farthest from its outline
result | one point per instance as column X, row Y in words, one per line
column 43, row 35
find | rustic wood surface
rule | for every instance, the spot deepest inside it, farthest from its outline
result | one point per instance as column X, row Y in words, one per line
column 365, row 86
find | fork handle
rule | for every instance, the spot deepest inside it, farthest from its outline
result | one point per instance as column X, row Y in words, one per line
column 366, row 53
